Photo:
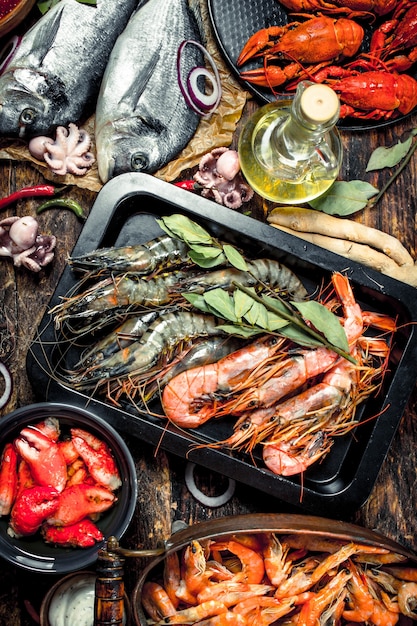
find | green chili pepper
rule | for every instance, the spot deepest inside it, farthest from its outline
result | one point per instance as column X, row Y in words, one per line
column 63, row 203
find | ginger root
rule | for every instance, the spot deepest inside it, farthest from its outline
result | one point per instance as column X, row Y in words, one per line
column 355, row 241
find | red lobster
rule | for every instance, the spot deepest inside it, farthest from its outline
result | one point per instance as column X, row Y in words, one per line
column 316, row 41
column 373, row 94
column 351, row 8
column 395, row 41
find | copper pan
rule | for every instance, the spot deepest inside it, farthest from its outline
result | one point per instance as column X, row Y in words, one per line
column 257, row 523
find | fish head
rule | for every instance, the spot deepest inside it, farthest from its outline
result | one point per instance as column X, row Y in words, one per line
column 28, row 103
column 141, row 149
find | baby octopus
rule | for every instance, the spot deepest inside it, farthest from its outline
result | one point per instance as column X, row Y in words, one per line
column 220, row 176
column 68, row 154
column 20, row 240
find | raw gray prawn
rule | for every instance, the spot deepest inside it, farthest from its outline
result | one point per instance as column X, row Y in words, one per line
column 126, row 293
column 263, row 272
column 161, row 252
column 155, row 347
column 122, row 337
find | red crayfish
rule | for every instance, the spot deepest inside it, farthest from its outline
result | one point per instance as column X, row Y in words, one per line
column 395, row 41
column 351, row 8
column 316, row 41
column 373, row 94
column 57, row 486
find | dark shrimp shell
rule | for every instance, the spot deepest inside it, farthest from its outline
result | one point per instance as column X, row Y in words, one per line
column 163, row 251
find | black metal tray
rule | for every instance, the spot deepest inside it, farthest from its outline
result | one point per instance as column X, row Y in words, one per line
column 125, row 212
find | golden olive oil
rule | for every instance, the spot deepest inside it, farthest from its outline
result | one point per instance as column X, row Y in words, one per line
column 287, row 153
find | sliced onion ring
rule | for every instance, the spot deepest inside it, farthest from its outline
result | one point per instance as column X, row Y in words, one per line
column 8, row 51
column 212, row 501
column 4, row 399
column 197, row 100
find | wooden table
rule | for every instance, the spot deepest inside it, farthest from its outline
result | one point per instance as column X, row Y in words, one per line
column 24, row 297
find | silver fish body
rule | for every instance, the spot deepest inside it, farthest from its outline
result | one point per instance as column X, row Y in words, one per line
column 55, row 74
column 142, row 119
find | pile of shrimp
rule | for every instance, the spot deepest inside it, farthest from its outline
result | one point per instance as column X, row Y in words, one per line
column 294, row 580
column 290, row 401
column 154, row 332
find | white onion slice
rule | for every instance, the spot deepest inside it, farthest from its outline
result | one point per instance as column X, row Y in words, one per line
column 7, row 385
column 212, row 501
column 200, row 102
column 8, row 51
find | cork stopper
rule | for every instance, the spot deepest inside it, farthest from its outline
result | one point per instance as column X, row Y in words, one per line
column 319, row 104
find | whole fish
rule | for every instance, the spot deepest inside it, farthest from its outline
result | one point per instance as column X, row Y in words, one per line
column 142, row 120
column 55, row 74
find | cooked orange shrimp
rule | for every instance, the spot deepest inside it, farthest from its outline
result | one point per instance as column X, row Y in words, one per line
column 360, row 601
column 282, row 379
column 263, row 611
column 276, row 561
column 252, row 564
column 190, row 398
column 332, row 615
column 317, row 604
column 195, row 576
column 300, row 579
column 224, row 619
column 156, row 601
column 194, row 614
column 382, row 616
column 231, row 592
column 343, row 554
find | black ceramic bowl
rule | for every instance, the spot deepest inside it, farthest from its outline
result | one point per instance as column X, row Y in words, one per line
column 32, row 553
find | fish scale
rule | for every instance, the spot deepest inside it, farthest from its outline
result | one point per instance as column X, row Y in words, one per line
column 142, row 119
column 55, row 74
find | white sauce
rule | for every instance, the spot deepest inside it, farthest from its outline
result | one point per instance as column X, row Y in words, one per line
column 73, row 602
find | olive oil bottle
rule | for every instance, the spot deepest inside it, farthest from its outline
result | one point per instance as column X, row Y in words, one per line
column 290, row 152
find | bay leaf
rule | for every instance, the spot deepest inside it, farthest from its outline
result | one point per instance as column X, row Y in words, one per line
column 197, row 300
column 257, row 315
column 202, row 260
column 181, row 226
column 220, row 301
column 235, row 258
column 243, row 303
column 325, row 322
column 383, row 157
column 241, row 331
column 345, row 198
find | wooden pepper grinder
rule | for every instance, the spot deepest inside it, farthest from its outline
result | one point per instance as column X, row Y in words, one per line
column 109, row 604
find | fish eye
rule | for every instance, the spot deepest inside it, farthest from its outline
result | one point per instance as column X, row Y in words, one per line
column 27, row 117
column 138, row 162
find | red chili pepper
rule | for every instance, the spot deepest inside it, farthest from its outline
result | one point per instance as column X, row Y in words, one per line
column 29, row 192
column 189, row 185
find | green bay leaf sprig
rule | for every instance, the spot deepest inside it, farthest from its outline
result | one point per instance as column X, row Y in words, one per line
column 347, row 197
column 309, row 323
